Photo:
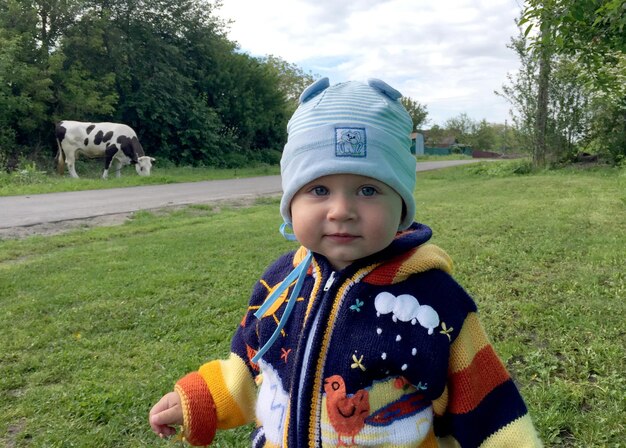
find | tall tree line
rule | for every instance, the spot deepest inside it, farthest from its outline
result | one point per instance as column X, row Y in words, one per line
column 164, row 67
column 570, row 93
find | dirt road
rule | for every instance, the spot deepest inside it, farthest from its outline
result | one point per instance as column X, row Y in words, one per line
column 43, row 213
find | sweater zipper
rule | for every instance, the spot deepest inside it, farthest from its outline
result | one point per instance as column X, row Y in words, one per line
column 308, row 346
column 330, row 281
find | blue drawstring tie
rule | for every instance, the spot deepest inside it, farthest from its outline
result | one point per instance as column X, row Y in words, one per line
column 299, row 272
column 283, row 231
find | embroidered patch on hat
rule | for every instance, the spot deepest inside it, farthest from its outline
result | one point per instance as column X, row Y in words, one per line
column 350, row 142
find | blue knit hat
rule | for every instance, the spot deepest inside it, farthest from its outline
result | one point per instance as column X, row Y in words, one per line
column 349, row 128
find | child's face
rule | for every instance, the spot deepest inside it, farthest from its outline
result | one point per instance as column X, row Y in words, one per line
column 346, row 217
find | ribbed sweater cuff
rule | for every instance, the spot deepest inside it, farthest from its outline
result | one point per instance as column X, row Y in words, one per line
column 200, row 415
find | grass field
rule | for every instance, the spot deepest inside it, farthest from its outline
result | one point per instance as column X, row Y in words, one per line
column 98, row 323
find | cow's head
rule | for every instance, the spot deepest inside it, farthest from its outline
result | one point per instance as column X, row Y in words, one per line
column 144, row 165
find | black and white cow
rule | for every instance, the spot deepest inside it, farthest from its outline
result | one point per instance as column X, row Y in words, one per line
column 113, row 141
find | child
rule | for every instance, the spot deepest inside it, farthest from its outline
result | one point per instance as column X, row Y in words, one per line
column 360, row 337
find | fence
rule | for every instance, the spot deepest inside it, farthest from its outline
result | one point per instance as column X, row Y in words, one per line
column 446, row 151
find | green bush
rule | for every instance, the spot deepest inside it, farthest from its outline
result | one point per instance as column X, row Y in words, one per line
column 26, row 174
column 502, row 168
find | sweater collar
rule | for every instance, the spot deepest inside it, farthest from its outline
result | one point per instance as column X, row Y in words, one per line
column 405, row 240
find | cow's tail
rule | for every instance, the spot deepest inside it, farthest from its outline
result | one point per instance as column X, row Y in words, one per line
column 60, row 158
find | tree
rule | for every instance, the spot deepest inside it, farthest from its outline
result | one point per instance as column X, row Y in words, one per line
column 588, row 28
column 567, row 115
column 607, row 130
column 9, row 103
column 484, row 136
column 53, row 19
column 505, row 138
column 83, row 74
column 417, row 111
column 462, row 127
column 434, row 135
column 520, row 91
column 24, row 84
column 254, row 111
column 592, row 32
column 292, row 80
column 542, row 15
column 569, row 108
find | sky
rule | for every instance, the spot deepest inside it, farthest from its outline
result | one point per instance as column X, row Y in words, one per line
column 449, row 55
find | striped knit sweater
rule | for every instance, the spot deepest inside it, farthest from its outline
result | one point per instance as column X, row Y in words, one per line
column 388, row 352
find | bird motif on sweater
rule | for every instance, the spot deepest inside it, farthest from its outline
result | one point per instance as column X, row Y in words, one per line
column 347, row 414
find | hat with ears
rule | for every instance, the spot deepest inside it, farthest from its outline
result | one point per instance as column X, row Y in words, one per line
column 349, row 128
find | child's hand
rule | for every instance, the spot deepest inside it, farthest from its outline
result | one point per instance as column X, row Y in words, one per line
column 168, row 411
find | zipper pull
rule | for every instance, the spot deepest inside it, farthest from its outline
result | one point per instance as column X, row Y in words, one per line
column 330, row 281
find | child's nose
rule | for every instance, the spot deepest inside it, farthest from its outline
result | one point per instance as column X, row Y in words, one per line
column 341, row 208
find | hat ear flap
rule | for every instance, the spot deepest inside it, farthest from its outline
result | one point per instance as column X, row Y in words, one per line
column 314, row 89
column 384, row 88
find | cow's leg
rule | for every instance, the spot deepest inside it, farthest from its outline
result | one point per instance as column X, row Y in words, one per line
column 117, row 166
column 109, row 152
column 70, row 158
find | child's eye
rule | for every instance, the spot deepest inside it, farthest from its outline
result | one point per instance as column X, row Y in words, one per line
column 319, row 191
column 368, row 191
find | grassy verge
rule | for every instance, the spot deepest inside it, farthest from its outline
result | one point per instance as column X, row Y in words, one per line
column 98, row 323
column 32, row 181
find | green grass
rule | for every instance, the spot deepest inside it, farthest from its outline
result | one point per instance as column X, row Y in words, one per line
column 34, row 181
column 98, row 323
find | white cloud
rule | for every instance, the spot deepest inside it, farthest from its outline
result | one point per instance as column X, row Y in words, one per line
column 450, row 55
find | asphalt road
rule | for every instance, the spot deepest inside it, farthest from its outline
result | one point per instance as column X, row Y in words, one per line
column 30, row 210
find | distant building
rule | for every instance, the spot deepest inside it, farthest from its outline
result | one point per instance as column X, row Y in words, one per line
column 417, row 144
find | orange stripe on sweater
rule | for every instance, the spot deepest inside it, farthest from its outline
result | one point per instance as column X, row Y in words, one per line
column 470, row 386
column 200, row 417
column 385, row 274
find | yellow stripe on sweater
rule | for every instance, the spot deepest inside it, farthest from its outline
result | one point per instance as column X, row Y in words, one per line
column 424, row 258
column 186, row 411
column 519, row 433
column 441, row 404
column 448, row 442
column 233, row 391
column 317, row 275
column 471, row 340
